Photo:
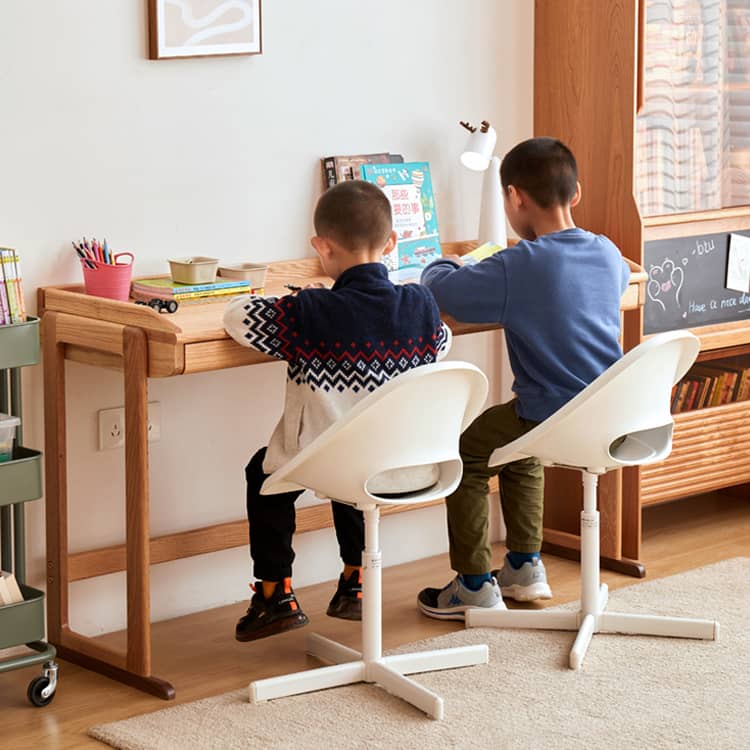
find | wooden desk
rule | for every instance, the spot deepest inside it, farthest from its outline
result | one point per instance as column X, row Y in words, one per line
column 145, row 344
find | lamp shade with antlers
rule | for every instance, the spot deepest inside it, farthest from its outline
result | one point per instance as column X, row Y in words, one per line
column 479, row 156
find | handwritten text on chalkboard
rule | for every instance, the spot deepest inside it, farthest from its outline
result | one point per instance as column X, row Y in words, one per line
column 686, row 284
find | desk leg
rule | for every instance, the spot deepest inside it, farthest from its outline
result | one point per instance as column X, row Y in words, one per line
column 135, row 363
column 56, row 478
column 133, row 669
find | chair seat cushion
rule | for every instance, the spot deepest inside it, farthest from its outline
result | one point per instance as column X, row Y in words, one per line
column 404, row 480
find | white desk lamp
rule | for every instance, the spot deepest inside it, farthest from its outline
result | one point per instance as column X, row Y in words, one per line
column 478, row 155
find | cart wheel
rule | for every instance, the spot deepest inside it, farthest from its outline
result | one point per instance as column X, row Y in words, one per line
column 172, row 306
column 34, row 692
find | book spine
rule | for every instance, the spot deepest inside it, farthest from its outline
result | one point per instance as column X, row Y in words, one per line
column 214, row 293
column 681, row 394
column 4, row 306
column 703, row 393
column 10, row 286
column 167, row 292
column 19, row 286
column 694, row 390
column 745, row 389
column 329, row 172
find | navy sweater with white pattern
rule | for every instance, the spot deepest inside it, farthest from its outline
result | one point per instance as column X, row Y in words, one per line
column 340, row 344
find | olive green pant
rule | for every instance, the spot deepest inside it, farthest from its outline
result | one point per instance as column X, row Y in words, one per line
column 521, row 492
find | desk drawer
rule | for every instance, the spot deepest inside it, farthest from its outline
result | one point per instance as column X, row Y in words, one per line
column 217, row 355
column 711, row 449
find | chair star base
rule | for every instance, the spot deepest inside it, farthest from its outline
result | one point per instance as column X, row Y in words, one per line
column 388, row 672
column 597, row 621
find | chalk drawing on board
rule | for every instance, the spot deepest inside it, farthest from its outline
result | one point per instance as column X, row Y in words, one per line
column 664, row 283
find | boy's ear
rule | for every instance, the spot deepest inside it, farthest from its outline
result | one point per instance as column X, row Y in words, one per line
column 516, row 197
column 577, row 197
column 392, row 240
column 321, row 246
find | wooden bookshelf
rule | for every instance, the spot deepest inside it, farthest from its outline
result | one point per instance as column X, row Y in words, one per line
column 592, row 72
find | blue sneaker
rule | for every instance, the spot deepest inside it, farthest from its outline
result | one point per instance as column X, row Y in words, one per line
column 450, row 602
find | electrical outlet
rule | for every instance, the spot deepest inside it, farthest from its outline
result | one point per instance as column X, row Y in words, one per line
column 112, row 426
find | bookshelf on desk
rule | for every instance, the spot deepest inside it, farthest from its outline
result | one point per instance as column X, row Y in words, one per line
column 145, row 344
column 654, row 114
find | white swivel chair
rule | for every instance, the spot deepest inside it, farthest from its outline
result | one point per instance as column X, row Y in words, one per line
column 629, row 402
column 410, row 424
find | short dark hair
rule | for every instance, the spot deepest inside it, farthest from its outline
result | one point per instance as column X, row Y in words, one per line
column 545, row 168
column 354, row 214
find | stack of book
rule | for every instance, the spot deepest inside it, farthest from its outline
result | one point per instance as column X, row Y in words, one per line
column 709, row 384
column 12, row 307
column 163, row 287
column 349, row 167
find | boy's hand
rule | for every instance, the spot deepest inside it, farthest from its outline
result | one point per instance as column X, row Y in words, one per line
column 455, row 258
column 315, row 285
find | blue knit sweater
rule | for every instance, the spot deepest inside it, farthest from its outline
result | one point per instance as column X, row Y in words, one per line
column 558, row 298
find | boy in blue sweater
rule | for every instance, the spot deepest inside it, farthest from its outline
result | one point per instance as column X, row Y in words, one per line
column 340, row 344
column 557, row 295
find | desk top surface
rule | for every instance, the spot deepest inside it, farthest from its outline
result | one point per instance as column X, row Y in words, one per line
column 201, row 322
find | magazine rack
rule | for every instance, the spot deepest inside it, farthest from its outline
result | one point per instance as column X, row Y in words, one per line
column 21, row 481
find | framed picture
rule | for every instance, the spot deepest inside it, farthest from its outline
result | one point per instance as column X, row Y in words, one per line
column 194, row 28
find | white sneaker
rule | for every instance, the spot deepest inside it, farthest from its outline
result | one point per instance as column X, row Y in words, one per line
column 526, row 584
column 452, row 601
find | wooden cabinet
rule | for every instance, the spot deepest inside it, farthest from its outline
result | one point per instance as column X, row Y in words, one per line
column 653, row 98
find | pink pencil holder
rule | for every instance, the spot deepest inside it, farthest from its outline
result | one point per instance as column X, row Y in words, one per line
column 105, row 280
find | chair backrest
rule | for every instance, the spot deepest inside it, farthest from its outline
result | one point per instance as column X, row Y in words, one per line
column 414, row 420
column 630, row 400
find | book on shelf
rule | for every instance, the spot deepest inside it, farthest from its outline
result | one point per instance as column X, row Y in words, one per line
column 711, row 384
column 12, row 306
column 10, row 592
column 408, row 187
column 163, row 287
column 341, row 168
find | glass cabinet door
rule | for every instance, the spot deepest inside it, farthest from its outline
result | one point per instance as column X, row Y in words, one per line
column 693, row 133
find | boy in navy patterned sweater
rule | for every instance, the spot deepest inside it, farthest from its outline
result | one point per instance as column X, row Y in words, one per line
column 340, row 344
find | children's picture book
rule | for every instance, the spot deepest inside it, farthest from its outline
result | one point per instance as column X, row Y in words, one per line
column 409, row 190
column 341, row 168
column 163, row 287
column 480, row 253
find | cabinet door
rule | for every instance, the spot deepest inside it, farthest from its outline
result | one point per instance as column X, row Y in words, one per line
column 693, row 132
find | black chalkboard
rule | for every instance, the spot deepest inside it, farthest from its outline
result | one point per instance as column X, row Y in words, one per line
column 685, row 286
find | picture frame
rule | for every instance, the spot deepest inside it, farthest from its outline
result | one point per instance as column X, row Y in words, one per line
column 200, row 28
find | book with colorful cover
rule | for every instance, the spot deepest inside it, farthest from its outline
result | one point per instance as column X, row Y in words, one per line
column 163, row 287
column 408, row 187
column 480, row 253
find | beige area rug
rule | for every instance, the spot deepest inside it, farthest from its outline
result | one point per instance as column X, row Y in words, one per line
column 632, row 693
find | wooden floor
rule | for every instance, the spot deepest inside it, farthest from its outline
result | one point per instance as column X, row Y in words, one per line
column 199, row 655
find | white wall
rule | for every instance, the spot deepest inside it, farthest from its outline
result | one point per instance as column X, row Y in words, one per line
column 220, row 156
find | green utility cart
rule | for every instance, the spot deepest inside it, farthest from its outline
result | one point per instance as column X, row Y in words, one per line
column 21, row 481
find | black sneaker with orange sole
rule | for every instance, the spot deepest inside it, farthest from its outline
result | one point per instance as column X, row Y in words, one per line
column 347, row 601
column 278, row 613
